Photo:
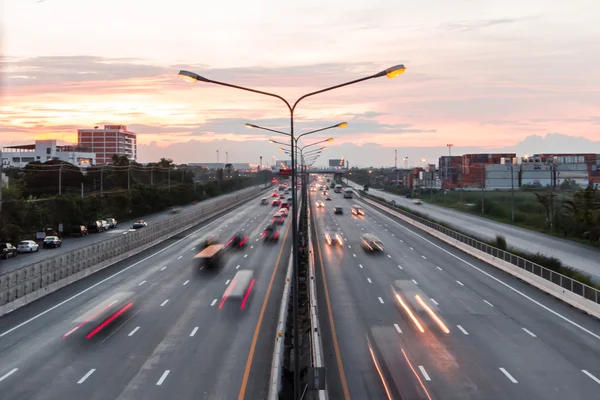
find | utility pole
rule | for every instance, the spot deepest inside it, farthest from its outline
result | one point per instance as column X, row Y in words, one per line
column 461, row 185
column 101, row 180
column 217, row 156
column 60, row 179
column 152, row 175
column 129, row 178
column 82, row 189
column 512, row 186
column 448, row 163
column 226, row 157
column 169, row 178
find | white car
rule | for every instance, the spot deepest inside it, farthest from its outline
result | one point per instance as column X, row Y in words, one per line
column 27, row 246
column 417, row 201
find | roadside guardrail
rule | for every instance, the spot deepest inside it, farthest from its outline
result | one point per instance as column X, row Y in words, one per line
column 24, row 285
column 579, row 295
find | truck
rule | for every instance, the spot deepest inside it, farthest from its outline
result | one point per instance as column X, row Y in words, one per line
column 338, row 188
column 211, row 257
column 348, row 193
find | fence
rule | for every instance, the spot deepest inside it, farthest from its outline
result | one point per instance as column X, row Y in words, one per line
column 561, row 280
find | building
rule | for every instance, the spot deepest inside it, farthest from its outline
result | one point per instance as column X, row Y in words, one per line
column 449, row 170
column 46, row 150
column 108, row 141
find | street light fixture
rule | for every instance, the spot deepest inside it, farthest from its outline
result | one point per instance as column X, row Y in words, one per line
column 391, row 72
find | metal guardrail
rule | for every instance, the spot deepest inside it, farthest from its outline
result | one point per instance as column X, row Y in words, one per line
column 581, row 289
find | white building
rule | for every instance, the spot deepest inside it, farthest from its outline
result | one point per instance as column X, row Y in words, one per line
column 46, row 150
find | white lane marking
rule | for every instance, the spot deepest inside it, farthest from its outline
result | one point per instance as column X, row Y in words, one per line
column 164, row 302
column 186, row 282
column 488, row 303
column 400, row 266
column 415, row 282
column 411, row 248
column 354, row 255
column 349, row 246
column 213, row 302
column 238, row 267
column 424, row 258
column 401, row 241
column 389, row 256
column 163, row 268
column 506, row 285
column 9, row 373
column 439, row 268
column 83, row 378
column 180, row 257
column 425, row 374
column 386, row 230
column 360, row 265
column 163, row 377
column 398, row 328
column 393, row 234
column 134, row 331
column 139, row 284
column 251, row 247
column 583, row 370
column 194, row 331
column 509, row 376
column 245, row 255
column 192, row 249
column 257, row 240
column 380, row 300
column 434, row 302
column 362, row 229
column 529, row 332
column 228, row 280
column 463, row 330
column 460, row 283
column 369, row 280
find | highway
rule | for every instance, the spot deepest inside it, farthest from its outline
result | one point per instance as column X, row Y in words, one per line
column 577, row 255
column 180, row 340
column 494, row 338
column 74, row 243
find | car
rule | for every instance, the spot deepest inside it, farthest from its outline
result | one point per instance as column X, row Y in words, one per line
column 112, row 223
column 7, row 250
column 139, row 224
column 320, row 204
column 290, row 199
column 325, row 193
column 79, row 230
column 238, row 240
column 338, row 210
column 327, row 198
column 264, row 201
column 51, row 242
column 371, row 243
column 284, row 211
column 417, row 201
column 95, row 227
column 357, row 210
column 27, row 246
column 175, row 210
column 333, row 238
column 276, row 203
column 274, row 195
column 270, row 234
column 278, row 219
column 285, row 205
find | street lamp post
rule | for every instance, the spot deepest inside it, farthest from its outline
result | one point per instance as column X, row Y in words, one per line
column 391, row 72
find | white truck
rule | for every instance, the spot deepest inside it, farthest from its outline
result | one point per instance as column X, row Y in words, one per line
column 337, row 189
column 348, row 193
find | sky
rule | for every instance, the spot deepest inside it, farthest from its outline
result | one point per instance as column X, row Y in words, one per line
column 482, row 75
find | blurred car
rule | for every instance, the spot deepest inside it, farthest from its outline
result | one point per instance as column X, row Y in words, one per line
column 284, row 211
column 320, row 204
column 274, row 195
column 51, row 242
column 338, row 210
column 357, row 210
column 238, row 291
column 238, row 240
column 175, row 210
column 285, row 205
column 95, row 227
column 276, row 203
column 264, row 201
column 371, row 243
column 327, row 198
column 271, row 234
column 278, row 219
column 325, row 193
column 7, row 250
column 333, row 237
column 290, row 199
column 139, row 224
column 112, row 223
column 79, row 230
column 417, row 201
column 27, row 246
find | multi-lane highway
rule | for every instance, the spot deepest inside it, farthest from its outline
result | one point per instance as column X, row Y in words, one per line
column 74, row 243
column 485, row 334
column 179, row 341
column 576, row 255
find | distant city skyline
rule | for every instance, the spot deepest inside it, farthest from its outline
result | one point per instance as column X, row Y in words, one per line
column 479, row 75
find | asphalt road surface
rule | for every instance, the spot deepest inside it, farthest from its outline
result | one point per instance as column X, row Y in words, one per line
column 577, row 255
column 180, row 340
column 74, row 243
column 495, row 337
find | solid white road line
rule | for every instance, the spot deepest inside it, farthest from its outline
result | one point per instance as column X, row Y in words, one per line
column 509, row 376
column 463, row 330
column 460, row 283
column 488, row 303
column 83, row 378
column 164, row 302
column 380, row 300
column 415, row 282
column 238, row 267
column 213, row 302
column 163, row 377
column 400, row 266
column 425, row 374
column 228, row 280
column 369, row 280
column 194, row 331
column 134, row 331
column 439, row 268
column 583, row 370
column 141, row 283
column 9, row 373
column 186, row 282
column 435, row 302
column 397, row 328
column 529, row 332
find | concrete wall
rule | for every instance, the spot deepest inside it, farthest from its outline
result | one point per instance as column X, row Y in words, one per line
column 24, row 285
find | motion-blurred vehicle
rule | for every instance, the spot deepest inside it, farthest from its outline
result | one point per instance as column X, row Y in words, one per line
column 211, row 239
column 284, row 211
column 27, row 246
column 333, row 237
column 276, row 203
column 325, row 193
column 320, row 204
column 327, row 198
column 271, row 234
column 237, row 241
column 139, row 224
column 264, row 201
column 239, row 288
column 391, row 361
column 371, row 243
column 357, row 210
column 175, row 210
column 338, row 210
column 417, row 201
column 112, row 223
column 51, row 242
column 79, row 230
column 274, row 195
column 285, row 205
column 7, row 250
column 95, row 227
column 211, row 257
column 278, row 218
column 102, row 316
